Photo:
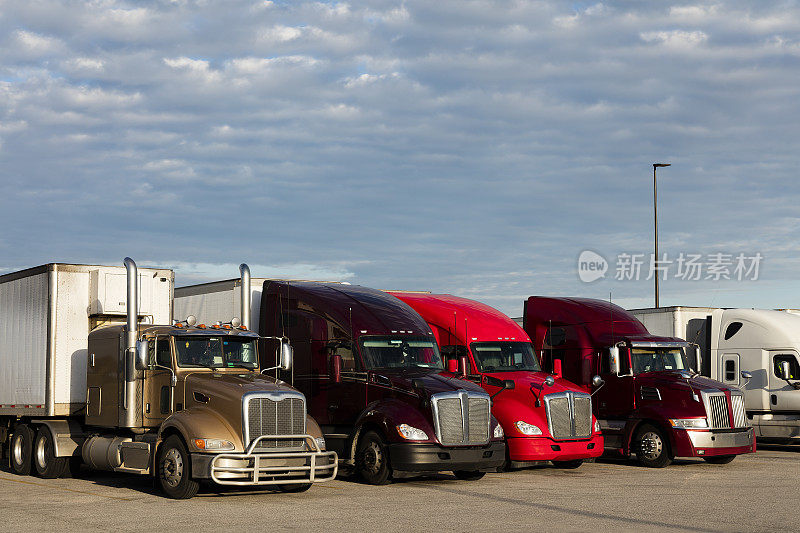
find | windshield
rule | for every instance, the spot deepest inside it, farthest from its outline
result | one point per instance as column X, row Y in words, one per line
column 216, row 352
column 401, row 352
column 658, row 359
column 504, row 356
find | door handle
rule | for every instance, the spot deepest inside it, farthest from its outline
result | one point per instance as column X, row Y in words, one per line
column 333, row 407
column 774, row 399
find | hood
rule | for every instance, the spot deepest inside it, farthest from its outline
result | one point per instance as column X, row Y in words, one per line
column 222, row 391
column 680, row 379
column 434, row 381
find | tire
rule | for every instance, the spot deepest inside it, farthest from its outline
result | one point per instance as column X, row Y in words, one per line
column 174, row 469
column 294, row 488
column 21, row 449
column 719, row 459
column 45, row 462
column 372, row 459
column 568, row 465
column 469, row 475
column 652, row 447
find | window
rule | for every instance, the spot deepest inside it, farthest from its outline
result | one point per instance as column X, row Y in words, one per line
column 216, row 352
column 504, row 356
column 658, row 360
column 163, row 356
column 794, row 368
column 401, row 352
column 730, row 370
column 732, row 329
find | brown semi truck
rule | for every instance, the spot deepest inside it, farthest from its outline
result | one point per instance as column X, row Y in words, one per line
column 85, row 377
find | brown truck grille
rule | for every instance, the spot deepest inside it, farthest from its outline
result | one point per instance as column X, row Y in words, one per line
column 461, row 417
column 569, row 415
column 275, row 415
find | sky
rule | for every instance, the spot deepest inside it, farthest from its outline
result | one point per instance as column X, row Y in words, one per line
column 470, row 147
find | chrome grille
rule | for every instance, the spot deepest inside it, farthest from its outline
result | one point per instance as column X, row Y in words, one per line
column 569, row 415
column 451, row 420
column 275, row 415
column 739, row 417
column 717, row 410
column 461, row 417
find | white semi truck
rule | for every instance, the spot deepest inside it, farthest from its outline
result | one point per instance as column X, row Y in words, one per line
column 757, row 350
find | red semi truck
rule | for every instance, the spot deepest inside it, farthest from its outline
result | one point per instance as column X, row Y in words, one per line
column 544, row 419
column 654, row 404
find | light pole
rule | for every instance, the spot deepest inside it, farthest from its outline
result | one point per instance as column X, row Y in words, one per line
column 655, row 220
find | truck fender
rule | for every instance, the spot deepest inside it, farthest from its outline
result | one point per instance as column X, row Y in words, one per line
column 68, row 436
column 199, row 422
column 633, row 427
column 386, row 415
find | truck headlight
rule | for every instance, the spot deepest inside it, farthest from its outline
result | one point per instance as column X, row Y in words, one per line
column 498, row 432
column 688, row 422
column 528, row 429
column 596, row 426
column 411, row 433
column 214, row 445
column 320, row 443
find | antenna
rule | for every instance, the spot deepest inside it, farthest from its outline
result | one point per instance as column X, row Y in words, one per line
column 550, row 343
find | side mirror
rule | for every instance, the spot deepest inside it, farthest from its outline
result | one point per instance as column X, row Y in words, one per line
column 141, row 356
column 504, row 384
column 462, row 363
column 597, row 383
column 286, row 356
column 557, row 367
column 452, row 366
column 549, row 381
column 746, row 375
column 698, row 359
column 336, row 368
column 786, row 370
column 613, row 359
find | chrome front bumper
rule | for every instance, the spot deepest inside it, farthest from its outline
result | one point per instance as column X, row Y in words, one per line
column 720, row 439
column 278, row 468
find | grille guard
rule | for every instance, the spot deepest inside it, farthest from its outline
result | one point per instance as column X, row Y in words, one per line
column 315, row 472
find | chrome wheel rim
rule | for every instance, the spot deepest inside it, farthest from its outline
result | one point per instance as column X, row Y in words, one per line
column 16, row 449
column 172, row 467
column 41, row 453
column 373, row 458
column 651, row 445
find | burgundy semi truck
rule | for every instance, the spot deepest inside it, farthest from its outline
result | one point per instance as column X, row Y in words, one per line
column 371, row 370
column 544, row 419
column 654, row 404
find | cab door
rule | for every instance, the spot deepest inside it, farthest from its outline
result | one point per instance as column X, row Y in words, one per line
column 157, row 389
column 783, row 396
column 615, row 399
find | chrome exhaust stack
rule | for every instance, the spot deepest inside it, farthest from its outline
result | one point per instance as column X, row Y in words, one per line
column 127, row 415
column 244, row 270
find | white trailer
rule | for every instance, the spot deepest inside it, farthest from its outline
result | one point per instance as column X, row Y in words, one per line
column 46, row 314
column 757, row 350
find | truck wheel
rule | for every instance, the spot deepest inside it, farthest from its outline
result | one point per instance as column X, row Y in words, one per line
column 568, row 465
column 469, row 475
column 45, row 462
column 174, row 469
column 294, row 488
column 719, row 459
column 652, row 447
column 372, row 459
column 21, row 449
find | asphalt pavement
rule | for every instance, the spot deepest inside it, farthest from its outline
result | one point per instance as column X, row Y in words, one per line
column 757, row 492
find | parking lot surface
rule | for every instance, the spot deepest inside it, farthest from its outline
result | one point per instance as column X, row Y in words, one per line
column 757, row 492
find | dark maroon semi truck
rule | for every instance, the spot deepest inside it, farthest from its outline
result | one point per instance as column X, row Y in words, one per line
column 371, row 370
column 653, row 404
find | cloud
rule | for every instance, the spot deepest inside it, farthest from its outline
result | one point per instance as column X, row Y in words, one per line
column 474, row 147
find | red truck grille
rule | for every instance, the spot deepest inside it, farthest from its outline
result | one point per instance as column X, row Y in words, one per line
column 569, row 415
column 717, row 410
